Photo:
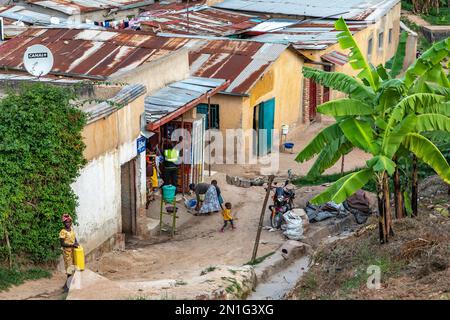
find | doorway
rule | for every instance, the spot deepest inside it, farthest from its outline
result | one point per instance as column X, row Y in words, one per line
column 128, row 196
column 264, row 119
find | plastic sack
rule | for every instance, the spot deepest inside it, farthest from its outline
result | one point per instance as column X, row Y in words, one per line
column 294, row 226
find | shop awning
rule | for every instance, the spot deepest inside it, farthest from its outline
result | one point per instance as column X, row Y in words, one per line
column 179, row 97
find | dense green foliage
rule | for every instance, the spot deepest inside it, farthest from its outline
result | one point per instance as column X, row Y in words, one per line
column 41, row 153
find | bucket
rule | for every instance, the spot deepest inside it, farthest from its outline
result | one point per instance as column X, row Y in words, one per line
column 169, row 193
column 78, row 258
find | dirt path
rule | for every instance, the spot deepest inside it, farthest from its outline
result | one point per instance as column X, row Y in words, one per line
column 300, row 137
column 43, row 289
column 414, row 18
column 198, row 244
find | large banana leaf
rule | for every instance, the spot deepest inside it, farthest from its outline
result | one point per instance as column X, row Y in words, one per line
column 435, row 88
column 345, row 107
column 360, row 134
column 344, row 187
column 340, row 82
column 427, row 61
column 442, row 108
column 356, row 58
column 432, row 122
column 330, row 154
column 394, row 139
column 415, row 103
column 427, row 152
column 326, row 136
column 381, row 163
column 397, row 61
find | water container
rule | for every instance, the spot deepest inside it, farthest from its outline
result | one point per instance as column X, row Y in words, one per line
column 78, row 258
column 169, row 193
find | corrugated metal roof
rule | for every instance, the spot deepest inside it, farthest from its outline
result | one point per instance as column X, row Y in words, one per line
column 73, row 7
column 203, row 20
column 308, row 34
column 90, row 54
column 240, row 62
column 19, row 13
column 348, row 9
column 336, row 57
column 125, row 96
column 177, row 95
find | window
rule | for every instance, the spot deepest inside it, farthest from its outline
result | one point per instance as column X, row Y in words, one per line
column 203, row 109
column 370, row 47
column 380, row 41
column 390, row 36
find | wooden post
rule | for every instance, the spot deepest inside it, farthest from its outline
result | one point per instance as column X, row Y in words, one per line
column 414, row 190
column 8, row 245
column 209, row 133
column 261, row 218
column 182, row 163
column 342, row 165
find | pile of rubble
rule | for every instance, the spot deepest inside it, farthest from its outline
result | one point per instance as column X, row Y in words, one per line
column 246, row 183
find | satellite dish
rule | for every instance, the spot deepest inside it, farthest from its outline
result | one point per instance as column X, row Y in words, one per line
column 38, row 60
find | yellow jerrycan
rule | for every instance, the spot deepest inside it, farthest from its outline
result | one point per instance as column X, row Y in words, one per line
column 78, row 258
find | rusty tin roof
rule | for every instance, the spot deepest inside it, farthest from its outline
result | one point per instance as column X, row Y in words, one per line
column 197, row 20
column 240, row 62
column 89, row 54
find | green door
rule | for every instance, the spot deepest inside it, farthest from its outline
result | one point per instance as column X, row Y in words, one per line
column 266, row 120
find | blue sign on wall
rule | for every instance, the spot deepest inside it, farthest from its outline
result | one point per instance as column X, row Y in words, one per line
column 141, row 144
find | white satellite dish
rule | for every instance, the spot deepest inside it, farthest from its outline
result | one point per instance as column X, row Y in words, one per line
column 38, row 60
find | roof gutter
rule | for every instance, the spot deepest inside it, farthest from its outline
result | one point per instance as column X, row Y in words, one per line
column 153, row 126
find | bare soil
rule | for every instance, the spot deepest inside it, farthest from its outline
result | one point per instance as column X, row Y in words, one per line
column 414, row 264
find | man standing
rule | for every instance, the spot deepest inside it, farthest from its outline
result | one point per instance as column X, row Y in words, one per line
column 171, row 158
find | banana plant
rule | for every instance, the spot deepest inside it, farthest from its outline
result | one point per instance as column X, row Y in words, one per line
column 381, row 116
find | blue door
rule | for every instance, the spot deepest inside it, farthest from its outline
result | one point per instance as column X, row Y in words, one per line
column 266, row 120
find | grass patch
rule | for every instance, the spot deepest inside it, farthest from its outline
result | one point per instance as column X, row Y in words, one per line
column 208, row 270
column 259, row 260
column 435, row 18
column 15, row 277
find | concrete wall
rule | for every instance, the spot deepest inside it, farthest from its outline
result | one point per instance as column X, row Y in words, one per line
column 111, row 142
column 158, row 73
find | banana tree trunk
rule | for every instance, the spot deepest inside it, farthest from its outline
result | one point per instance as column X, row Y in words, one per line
column 342, row 165
column 414, row 189
column 384, row 207
column 398, row 195
column 387, row 204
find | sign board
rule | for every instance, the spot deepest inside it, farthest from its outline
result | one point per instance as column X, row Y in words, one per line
column 141, row 144
column 38, row 60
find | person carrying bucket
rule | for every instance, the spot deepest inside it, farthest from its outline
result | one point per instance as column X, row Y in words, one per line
column 68, row 242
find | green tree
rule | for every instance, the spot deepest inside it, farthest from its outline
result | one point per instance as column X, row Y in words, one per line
column 41, row 153
column 382, row 116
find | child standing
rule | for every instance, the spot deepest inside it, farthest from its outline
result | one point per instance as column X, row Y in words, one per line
column 227, row 217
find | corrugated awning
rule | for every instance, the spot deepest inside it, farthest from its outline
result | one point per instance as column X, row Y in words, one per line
column 179, row 97
column 336, row 57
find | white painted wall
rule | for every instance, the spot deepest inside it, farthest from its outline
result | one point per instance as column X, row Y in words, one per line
column 99, row 195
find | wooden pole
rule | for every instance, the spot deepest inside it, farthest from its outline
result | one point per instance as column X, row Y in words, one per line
column 209, row 133
column 182, row 163
column 261, row 218
column 414, row 190
column 342, row 165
